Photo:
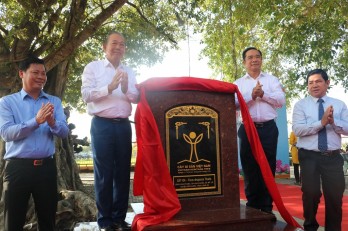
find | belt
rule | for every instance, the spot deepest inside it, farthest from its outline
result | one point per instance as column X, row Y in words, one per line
column 325, row 153
column 330, row 152
column 34, row 162
column 113, row 120
column 263, row 124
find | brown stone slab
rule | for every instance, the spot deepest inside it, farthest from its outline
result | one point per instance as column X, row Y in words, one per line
column 160, row 102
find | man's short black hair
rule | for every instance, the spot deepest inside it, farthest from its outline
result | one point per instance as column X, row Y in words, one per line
column 248, row 49
column 25, row 64
column 318, row 71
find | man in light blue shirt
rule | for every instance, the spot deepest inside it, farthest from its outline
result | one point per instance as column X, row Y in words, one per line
column 319, row 121
column 29, row 120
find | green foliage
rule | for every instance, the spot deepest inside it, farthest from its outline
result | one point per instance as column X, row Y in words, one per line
column 149, row 31
column 69, row 34
column 345, row 147
column 295, row 37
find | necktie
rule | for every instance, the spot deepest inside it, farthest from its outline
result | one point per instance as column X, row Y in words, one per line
column 322, row 137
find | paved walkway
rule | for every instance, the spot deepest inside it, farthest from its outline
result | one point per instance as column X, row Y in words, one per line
column 87, row 178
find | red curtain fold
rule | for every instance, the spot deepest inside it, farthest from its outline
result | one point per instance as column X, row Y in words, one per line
column 152, row 178
column 161, row 201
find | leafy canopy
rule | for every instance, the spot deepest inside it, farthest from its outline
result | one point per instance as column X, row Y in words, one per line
column 295, row 37
column 69, row 34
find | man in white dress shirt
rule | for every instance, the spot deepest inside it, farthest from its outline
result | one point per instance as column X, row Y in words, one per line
column 108, row 88
column 319, row 144
column 263, row 94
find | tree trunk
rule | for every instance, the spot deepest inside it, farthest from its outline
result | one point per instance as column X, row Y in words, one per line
column 30, row 35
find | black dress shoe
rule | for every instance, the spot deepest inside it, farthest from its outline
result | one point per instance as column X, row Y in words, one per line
column 108, row 228
column 126, row 226
column 122, row 226
column 267, row 211
column 274, row 218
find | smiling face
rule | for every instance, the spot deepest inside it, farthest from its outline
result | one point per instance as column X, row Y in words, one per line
column 317, row 86
column 34, row 79
column 253, row 61
column 115, row 48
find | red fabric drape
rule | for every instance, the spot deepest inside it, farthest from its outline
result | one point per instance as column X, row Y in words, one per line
column 160, row 199
column 152, row 178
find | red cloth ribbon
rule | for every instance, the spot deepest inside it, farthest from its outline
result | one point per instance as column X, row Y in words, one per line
column 152, row 177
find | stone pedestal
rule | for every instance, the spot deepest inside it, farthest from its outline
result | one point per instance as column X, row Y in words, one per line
column 198, row 132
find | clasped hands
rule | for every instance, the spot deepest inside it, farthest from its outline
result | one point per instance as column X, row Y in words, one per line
column 46, row 114
column 257, row 91
column 328, row 116
column 121, row 77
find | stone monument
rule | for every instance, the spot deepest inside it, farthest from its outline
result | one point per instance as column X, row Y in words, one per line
column 198, row 133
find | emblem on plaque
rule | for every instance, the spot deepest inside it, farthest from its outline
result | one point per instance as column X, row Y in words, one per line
column 193, row 150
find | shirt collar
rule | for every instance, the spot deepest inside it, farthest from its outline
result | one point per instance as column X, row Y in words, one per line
column 261, row 75
column 25, row 94
column 106, row 63
column 316, row 99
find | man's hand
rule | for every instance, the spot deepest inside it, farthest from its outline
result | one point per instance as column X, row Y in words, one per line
column 121, row 77
column 328, row 116
column 46, row 114
column 124, row 83
column 257, row 91
column 116, row 80
column 51, row 121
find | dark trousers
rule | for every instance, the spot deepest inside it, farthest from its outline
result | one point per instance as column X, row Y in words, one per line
column 112, row 150
column 297, row 173
column 329, row 170
column 255, row 189
column 21, row 180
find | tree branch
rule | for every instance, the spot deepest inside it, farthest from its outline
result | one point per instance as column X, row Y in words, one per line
column 3, row 29
column 151, row 24
column 74, row 42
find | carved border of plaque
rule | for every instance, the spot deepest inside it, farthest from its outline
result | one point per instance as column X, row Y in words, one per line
column 193, row 150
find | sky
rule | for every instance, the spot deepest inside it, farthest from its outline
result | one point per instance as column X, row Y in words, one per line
column 178, row 63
